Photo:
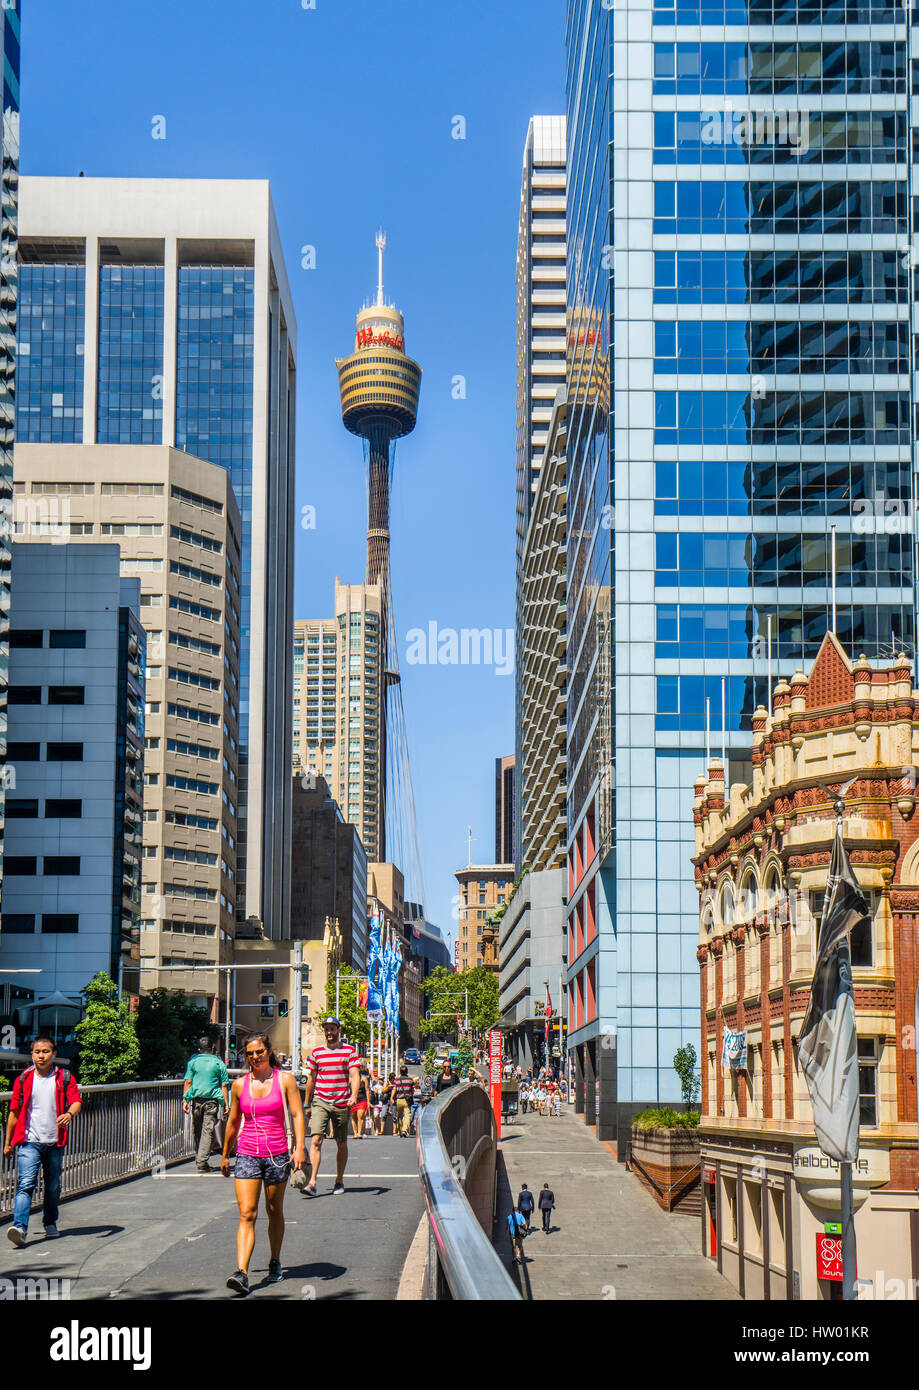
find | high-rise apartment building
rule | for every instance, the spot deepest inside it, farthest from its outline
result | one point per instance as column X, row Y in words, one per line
column 72, row 896
column 338, row 725
column 328, row 871
column 157, row 312
column 177, row 524
column 9, row 195
column 738, row 384
column 540, row 352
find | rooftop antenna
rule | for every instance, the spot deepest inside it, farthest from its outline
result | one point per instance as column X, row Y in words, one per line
column 381, row 247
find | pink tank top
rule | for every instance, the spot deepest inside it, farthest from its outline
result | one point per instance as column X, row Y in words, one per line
column 263, row 1133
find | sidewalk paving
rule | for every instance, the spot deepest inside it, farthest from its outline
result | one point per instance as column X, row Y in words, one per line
column 609, row 1239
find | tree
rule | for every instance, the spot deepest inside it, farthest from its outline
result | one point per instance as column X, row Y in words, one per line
column 168, row 1028
column 684, row 1064
column 354, row 1022
column 446, row 992
column 107, row 1042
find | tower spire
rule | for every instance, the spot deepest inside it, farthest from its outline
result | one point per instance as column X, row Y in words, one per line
column 381, row 247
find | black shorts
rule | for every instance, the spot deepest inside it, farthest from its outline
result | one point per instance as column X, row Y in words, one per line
column 273, row 1170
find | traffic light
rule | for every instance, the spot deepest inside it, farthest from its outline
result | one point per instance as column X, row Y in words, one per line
column 282, row 1008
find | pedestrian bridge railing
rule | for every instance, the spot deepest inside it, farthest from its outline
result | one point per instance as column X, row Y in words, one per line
column 457, row 1152
column 121, row 1132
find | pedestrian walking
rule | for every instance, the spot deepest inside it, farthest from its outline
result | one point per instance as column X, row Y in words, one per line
column 516, row 1230
column 206, row 1090
column 416, row 1106
column 446, row 1079
column 265, row 1106
column 546, row 1205
column 523, row 1097
column 45, row 1101
column 525, row 1204
column 378, row 1096
column 359, row 1110
column 332, row 1085
column 557, row 1101
column 403, row 1090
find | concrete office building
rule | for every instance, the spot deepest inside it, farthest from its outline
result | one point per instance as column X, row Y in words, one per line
column 531, row 943
column 339, row 667
column 9, row 194
column 541, row 338
column 71, row 903
column 157, row 312
column 329, row 872
column 738, row 382
column 177, row 524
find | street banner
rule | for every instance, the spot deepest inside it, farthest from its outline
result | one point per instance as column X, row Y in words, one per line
column 827, row 1047
column 374, row 963
column 495, row 1056
column 734, row 1050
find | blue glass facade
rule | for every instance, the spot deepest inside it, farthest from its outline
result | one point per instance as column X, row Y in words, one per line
column 130, row 383
column 49, row 385
column 214, row 376
column 9, row 179
column 758, row 199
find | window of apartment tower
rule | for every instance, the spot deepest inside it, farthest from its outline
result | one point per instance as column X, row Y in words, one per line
column 266, row 977
column 266, row 1006
column 868, row 1081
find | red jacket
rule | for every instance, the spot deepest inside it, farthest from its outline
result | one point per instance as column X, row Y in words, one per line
column 22, row 1094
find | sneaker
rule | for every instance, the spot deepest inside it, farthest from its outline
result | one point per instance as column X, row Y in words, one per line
column 239, row 1282
column 16, row 1235
column 204, row 1168
column 51, row 1233
column 338, row 1189
column 275, row 1272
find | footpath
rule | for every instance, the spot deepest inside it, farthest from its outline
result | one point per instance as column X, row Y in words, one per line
column 608, row 1238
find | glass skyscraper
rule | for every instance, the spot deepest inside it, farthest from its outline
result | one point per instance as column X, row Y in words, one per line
column 739, row 273
column 158, row 313
column 9, row 179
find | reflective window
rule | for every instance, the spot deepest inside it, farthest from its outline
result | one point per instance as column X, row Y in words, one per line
column 130, row 401
column 49, row 354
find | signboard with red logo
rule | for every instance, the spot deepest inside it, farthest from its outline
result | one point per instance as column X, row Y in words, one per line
column 829, row 1257
column 495, row 1057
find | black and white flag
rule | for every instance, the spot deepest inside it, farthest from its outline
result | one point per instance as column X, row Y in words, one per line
column 827, row 1048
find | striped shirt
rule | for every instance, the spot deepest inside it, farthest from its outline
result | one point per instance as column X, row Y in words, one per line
column 331, row 1065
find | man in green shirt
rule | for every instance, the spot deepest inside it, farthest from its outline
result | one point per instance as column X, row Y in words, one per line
column 206, row 1088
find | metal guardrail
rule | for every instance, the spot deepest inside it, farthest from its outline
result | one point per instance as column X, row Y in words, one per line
column 121, row 1132
column 463, row 1263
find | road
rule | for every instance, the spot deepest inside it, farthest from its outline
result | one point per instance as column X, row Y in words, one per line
column 174, row 1236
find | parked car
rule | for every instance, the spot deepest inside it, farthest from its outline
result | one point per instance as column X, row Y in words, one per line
column 412, row 1056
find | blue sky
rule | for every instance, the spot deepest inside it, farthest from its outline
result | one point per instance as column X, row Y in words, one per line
column 348, row 109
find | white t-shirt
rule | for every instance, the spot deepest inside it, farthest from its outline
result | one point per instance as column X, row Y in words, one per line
column 41, row 1121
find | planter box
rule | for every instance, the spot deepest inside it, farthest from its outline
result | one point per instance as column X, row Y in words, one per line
column 666, row 1161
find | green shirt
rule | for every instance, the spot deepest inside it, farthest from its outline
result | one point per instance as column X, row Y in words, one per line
column 207, row 1074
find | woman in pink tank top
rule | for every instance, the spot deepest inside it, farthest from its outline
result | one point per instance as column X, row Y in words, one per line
column 263, row 1104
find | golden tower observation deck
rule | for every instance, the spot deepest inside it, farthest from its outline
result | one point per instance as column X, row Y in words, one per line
column 379, row 387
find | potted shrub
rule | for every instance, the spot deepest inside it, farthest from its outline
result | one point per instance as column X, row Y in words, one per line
column 665, row 1142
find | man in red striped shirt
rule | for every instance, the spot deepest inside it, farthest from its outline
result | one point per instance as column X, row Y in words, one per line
column 332, row 1088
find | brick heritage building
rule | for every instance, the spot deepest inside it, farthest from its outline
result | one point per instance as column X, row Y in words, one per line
column 849, row 731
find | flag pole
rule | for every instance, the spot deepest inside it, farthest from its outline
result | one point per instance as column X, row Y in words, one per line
column 846, row 1200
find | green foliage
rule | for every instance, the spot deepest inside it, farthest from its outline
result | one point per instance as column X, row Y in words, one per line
column 355, row 1026
column 464, row 1055
column 666, row 1118
column 107, row 1042
column 684, row 1064
column 446, row 995
column 168, row 1028
column 429, row 1063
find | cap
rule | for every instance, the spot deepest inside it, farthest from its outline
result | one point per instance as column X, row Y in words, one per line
column 327, row 1021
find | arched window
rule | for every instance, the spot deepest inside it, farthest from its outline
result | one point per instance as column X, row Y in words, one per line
column 726, row 903
column 750, row 898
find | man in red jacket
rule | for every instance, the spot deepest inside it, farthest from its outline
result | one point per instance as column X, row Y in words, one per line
column 45, row 1100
